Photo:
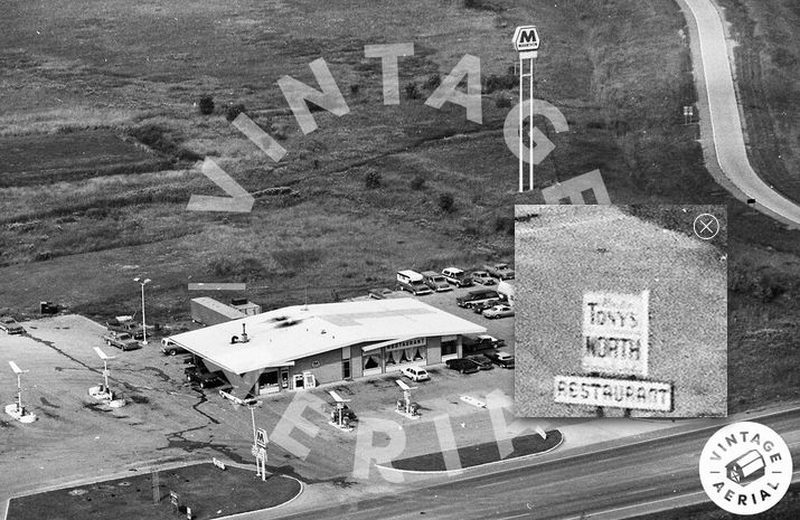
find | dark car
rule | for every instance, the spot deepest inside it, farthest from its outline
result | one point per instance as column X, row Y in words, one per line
column 206, row 379
column 483, row 342
column 465, row 366
column 500, row 358
column 475, row 297
column 482, row 362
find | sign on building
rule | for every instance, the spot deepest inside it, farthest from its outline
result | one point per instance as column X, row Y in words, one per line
column 615, row 333
column 618, row 393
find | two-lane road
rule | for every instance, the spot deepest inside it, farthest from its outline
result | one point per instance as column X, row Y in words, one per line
column 726, row 124
column 633, row 479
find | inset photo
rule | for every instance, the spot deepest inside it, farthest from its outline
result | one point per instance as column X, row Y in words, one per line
column 621, row 311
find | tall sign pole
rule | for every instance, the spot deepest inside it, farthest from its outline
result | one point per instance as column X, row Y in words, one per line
column 526, row 43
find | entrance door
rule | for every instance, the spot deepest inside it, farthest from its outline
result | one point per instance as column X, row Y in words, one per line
column 345, row 369
column 298, row 381
column 284, row 378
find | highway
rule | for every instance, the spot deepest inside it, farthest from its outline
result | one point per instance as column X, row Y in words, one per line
column 726, row 125
column 633, row 479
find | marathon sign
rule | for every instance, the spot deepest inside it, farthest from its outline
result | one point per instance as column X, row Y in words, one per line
column 618, row 393
column 615, row 333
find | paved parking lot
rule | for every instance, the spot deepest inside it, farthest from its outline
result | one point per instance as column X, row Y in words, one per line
column 167, row 420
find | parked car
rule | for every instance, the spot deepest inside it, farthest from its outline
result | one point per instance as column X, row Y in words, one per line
column 415, row 373
column 380, row 293
column 412, row 282
column 482, row 362
column 437, row 282
column 205, row 379
column 477, row 296
column 501, row 271
column 500, row 358
column 457, row 277
column 10, row 325
column 121, row 340
column 499, row 311
column 480, row 343
column 464, row 366
column 483, row 278
column 479, row 307
column 169, row 348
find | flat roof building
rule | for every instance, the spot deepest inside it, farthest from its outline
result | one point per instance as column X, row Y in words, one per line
column 300, row 346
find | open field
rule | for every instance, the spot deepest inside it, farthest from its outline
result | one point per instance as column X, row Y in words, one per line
column 138, row 72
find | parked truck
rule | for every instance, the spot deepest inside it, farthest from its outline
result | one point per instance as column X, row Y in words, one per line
column 501, row 271
column 121, row 340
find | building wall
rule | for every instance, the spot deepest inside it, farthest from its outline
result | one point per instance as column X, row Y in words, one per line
column 434, row 351
column 328, row 371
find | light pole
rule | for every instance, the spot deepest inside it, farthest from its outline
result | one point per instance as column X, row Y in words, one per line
column 144, row 322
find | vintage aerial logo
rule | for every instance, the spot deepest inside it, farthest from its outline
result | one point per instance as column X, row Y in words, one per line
column 745, row 468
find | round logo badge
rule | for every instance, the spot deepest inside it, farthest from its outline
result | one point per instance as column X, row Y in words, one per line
column 745, row 468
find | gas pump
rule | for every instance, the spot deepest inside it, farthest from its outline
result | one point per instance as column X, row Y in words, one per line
column 406, row 406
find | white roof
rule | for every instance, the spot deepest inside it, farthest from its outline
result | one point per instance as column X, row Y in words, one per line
column 279, row 337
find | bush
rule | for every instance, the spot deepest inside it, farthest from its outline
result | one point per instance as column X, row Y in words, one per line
column 504, row 224
column 495, row 82
column 411, row 90
column 503, row 102
column 243, row 269
column 206, row 105
column 354, row 89
column 447, row 202
column 418, row 183
column 372, row 180
column 433, row 82
column 233, row 110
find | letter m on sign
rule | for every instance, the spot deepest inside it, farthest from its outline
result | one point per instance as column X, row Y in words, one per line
column 526, row 38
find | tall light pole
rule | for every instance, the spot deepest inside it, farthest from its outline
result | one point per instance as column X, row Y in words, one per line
column 144, row 322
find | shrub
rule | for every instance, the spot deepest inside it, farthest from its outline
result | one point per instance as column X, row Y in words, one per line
column 411, row 90
column 433, row 82
column 354, row 89
column 504, row 224
column 241, row 269
column 447, row 202
column 418, row 183
column 495, row 82
column 233, row 110
column 372, row 180
column 503, row 102
column 206, row 105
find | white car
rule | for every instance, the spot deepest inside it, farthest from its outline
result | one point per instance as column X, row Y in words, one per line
column 499, row 311
column 415, row 373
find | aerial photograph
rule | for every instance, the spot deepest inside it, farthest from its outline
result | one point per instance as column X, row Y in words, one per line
column 269, row 259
